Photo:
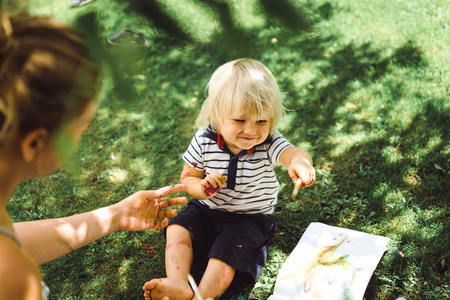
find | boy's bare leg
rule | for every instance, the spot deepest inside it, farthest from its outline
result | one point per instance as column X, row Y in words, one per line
column 179, row 257
column 216, row 279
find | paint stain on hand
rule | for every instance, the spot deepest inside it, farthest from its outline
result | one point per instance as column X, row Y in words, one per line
column 150, row 215
column 210, row 190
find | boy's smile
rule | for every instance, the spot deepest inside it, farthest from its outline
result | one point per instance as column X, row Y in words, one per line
column 244, row 132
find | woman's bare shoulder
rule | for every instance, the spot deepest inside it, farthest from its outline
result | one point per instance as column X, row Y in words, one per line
column 20, row 277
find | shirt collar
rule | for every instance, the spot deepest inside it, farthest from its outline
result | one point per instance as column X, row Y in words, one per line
column 215, row 136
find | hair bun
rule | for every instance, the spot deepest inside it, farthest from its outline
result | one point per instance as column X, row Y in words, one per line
column 6, row 122
column 46, row 75
column 7, row 51
column 5, row 34
column 8, row 45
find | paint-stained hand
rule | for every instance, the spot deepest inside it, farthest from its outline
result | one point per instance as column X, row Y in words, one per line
column 147, row 209
column 212, row 184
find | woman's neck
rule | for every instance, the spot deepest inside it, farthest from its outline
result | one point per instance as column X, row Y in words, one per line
column 6, row 189
column 9, row 179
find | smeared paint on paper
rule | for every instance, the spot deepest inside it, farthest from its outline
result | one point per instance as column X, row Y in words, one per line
column 329, row 263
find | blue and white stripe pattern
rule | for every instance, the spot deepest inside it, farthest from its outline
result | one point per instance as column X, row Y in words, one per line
column 251, row 186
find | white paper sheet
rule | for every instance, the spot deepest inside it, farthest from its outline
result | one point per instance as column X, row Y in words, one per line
column 331, row 263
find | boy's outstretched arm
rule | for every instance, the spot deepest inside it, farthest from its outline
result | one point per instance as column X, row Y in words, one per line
column 201, row 186
column 299, row 165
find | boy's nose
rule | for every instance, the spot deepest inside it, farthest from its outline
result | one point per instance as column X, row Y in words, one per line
column 250, row 128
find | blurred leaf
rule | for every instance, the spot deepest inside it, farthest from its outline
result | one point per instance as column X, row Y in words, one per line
column 87, row 23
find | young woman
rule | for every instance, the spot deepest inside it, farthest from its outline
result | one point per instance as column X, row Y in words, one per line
column 48, row 83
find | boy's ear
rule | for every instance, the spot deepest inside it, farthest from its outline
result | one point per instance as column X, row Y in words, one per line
column 32, row 143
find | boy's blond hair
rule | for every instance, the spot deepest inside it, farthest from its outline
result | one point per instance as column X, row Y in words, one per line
column 238, row 87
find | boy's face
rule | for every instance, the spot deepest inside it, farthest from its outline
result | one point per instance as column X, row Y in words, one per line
column 244, row 132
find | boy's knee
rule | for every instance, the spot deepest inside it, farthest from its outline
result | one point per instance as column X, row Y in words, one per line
column 227, row 272
column 175, row 230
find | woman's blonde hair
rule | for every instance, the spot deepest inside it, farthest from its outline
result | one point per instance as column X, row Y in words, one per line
column 47, row 76
column 239, row 87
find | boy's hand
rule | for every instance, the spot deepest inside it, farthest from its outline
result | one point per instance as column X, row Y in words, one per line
column 212, row 184
column 299, row 165
column 303, row 171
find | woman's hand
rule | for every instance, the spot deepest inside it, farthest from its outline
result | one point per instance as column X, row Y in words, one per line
column 146, row 209
column 46, row 240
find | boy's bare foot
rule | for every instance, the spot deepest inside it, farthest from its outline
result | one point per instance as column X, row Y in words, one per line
column 175, row 289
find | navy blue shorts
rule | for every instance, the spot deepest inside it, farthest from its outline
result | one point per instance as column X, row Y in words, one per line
column 239, row 240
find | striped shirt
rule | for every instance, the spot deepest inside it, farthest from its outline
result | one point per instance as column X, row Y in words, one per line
column 251, row 185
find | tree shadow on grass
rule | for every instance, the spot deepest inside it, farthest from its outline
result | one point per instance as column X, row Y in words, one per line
column 377, row 183
column 317, row 115
column 351, row 64
column 114, row 267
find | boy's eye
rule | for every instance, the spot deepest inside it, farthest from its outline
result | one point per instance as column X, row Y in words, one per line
column 262, row 121
column 239, row 120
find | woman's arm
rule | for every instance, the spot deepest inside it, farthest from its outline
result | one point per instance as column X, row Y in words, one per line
column 46, row 240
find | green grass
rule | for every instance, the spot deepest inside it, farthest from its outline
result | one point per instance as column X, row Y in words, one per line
column 367, row 91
